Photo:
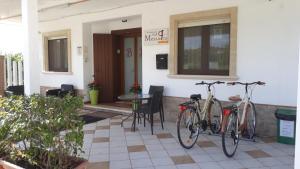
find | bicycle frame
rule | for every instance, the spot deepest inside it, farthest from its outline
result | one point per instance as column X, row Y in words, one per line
column 206, row 104
column 203, row 113
column 240, row 119
column 246, row 102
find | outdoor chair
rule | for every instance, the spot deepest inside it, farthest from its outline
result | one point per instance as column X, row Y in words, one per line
column 14, row 90
column 62, row 92
column 153, row 89
column 152, row 107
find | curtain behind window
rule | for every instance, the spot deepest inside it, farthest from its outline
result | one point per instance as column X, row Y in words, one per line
column 58, row 55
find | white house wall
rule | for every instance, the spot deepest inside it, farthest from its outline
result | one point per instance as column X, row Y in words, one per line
column 267, row 46
column 76, row 78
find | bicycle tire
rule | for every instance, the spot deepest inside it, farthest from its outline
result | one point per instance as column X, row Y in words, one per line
column 231, row 137
column 179, row 122
column 215, row 128
column 251, row 129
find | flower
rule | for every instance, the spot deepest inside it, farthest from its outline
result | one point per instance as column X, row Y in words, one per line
column 93, row 86
column 136, row 88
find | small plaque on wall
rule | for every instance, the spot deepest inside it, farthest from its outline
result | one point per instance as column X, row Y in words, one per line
column 162, row 61
column 156, row 37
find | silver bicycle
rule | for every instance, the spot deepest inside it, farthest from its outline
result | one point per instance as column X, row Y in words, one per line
column 192, row 120
column 239, row 119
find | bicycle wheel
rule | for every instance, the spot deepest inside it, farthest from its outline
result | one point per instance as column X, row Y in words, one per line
column 230, row 137
column 251, row 120
column 215, row 116
column 188, row 128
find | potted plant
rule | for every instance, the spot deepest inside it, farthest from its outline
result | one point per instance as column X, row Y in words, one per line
column 94, row 93
column 41, row 132
column 136, row 89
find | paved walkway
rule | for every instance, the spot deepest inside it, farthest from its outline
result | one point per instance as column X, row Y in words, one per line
column 109, row 146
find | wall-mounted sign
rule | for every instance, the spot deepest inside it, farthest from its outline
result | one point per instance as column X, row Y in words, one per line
column 157, row 36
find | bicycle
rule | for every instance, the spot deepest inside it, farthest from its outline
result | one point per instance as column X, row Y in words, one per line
column 191, row 119
column 233, row 125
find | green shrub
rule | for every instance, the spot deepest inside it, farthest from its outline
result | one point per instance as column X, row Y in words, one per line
column 41, row 131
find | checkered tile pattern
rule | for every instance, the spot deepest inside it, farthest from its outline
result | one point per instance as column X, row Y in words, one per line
column 107, row 145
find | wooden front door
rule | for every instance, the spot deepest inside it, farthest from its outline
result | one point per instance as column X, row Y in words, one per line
column 104, row 65
column 117, row 62
column 130, row 55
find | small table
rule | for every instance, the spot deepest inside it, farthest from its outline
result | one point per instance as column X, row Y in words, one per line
column 136, row 100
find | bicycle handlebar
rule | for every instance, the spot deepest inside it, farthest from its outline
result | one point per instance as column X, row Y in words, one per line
column 209, row 84
column 246, row 84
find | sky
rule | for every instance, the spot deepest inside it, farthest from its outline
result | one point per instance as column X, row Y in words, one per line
column 11, row 38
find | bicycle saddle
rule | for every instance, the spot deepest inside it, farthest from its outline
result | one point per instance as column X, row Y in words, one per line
column 196, row 97
column 236, row 98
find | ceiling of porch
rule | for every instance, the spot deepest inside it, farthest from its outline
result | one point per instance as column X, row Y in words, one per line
column 55, row 9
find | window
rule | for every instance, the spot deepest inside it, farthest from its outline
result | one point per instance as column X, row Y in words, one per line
column 204, row 50
column 204, row 43
column 57, row 51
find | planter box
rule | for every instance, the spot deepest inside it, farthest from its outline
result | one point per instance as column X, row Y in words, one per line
column 83, row 165
column 7, row 165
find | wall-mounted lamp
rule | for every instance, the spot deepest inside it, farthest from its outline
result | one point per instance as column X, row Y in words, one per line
column 79, row 50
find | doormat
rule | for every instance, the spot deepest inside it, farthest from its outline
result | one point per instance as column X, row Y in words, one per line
column 92, row 116
column 87, row 119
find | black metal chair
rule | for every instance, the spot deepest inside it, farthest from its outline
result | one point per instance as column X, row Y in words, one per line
column 153, row 89
column 152, row 107
column 14, row 90
column 62, row 92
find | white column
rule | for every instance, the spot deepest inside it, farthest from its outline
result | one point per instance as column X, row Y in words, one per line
column 15, row 73
column 20, row 73
column 9, row 72
column 31, row 59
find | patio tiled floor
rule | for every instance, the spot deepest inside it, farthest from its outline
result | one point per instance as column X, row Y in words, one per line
column 109, row 146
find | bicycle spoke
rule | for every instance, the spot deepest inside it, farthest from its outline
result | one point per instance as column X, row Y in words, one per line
column 187, row 128
column 230, row 137
column 251, row 121
column 215, row 116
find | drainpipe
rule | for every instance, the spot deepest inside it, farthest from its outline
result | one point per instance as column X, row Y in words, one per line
column 297, row 143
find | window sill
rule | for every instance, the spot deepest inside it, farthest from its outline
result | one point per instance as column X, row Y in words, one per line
column 202, row 77
column 57, row 73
